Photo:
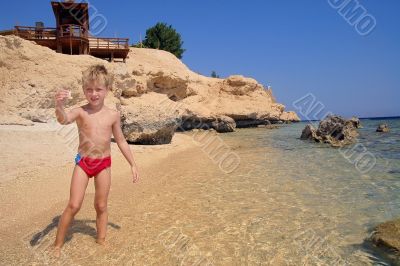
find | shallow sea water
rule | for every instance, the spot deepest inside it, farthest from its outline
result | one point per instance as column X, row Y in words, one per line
column 296, row 202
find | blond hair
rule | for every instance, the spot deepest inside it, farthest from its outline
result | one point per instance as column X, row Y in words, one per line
column 97, row 73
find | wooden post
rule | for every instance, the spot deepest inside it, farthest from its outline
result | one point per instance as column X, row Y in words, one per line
column 70, row 45
column 59, row 46
column 70, row 39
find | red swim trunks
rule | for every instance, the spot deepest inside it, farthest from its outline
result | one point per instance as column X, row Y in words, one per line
column 92, row 166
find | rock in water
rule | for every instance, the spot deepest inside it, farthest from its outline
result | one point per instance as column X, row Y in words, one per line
column 334, row 130
column 382, row 128
column 356, row 122
column 308, row 132
column 387, row 236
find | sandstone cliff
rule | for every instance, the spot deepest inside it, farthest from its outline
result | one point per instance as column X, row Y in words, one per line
column 155, row 92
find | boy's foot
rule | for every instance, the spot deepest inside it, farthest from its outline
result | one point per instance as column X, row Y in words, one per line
column 56, row 252
column 102, row 241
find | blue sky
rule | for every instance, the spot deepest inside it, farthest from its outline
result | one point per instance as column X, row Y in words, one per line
column 297, row 47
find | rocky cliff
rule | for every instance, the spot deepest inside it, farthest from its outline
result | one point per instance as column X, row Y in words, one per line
column 155, row 92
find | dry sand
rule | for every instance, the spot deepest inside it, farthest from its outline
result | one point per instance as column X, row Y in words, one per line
column 36, row 165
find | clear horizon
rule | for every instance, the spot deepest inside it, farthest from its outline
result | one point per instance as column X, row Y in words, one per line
column 300, row 49
column 362, row 118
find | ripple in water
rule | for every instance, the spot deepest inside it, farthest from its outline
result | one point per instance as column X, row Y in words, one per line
column 294, row 201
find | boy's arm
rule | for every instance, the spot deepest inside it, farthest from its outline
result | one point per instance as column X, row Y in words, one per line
column 64, row 118
column 123, row 146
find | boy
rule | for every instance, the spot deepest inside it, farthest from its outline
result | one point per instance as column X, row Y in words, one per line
column 95, row 124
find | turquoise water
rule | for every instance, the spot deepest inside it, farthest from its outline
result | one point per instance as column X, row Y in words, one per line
column 334, row 195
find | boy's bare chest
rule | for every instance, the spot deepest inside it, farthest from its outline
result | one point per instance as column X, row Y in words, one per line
column 95, row 123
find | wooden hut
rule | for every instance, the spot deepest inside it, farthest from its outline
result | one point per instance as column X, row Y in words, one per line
column 72, row 24
column 72, row 34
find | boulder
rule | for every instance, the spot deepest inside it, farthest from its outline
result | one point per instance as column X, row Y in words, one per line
column 334, row 130
column 149, row 119
column 289, row 116
column 383, row 128
column 221, row 124
column 38, row 115
column 356, row 122
column 12, row 119
column 309, row 132
column 239, row 85
column 387, row 237
column 174, row 86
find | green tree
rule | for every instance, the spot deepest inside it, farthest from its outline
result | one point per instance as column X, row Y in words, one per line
column 214, row 74
column 164, row 37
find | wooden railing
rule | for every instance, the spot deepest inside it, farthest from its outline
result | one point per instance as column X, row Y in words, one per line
column 71, row 30
column 108, row 43
column 35, row 33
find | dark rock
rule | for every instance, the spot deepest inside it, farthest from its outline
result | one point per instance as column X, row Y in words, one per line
column 334, row 130
column 245, row 123
column 269, row 126
column 387, row 237
column 356, row 122
column 161, row 133
column 383, row 128
column 221, row 124
column 308, row 132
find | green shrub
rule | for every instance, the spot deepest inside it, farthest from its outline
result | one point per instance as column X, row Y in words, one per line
column 164, row 37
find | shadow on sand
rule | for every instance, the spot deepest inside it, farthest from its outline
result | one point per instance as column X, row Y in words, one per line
column 76, row 227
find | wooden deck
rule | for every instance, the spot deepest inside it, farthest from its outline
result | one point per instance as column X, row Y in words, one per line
column 109, row 47
column 72, row 39
column 33, row 33
column 43, row 36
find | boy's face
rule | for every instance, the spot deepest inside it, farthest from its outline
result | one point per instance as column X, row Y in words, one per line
column 95, row 92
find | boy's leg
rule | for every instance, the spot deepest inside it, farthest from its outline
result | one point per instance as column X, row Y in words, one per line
column 79, row 183
column 102, row 184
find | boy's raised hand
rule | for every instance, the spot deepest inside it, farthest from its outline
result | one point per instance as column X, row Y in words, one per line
column 60, row 97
